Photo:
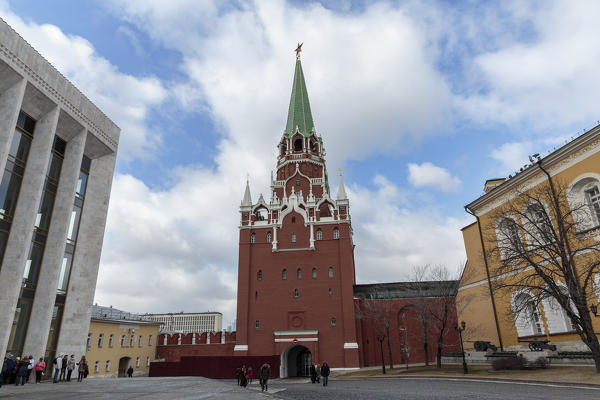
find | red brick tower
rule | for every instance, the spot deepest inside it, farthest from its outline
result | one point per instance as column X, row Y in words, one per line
column 296, row 260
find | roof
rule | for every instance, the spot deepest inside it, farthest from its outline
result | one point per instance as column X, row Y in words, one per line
column 399, row 290
column 299, row 115
column 531, row 170
column 125, row 321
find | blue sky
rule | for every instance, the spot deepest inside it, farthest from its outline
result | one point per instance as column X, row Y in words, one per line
column 418, row 102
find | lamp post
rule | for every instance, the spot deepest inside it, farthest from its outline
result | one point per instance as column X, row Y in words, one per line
column 462, row 349
column 381, row 338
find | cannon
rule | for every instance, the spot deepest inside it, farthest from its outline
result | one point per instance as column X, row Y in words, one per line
column 539, row 345
column 481, row 345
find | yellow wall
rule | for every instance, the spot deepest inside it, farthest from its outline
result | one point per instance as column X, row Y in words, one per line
column 116, row 352
column 474, row 302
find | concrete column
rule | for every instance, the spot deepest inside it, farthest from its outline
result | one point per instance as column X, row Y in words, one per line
column 45, row 293
column 21, row 230
column 10, row 105
column 86, row 260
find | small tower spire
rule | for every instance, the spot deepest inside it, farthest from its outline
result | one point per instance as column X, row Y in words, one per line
column 341, row 195
column 247, row 201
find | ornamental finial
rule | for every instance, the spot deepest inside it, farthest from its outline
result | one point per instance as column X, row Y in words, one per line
column 298, row 50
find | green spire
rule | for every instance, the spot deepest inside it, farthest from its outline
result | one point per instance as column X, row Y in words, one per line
column 299, row 114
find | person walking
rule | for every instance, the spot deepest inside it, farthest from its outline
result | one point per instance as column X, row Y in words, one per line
column 318, row 372
column 81, row 369
column 313, row 374
column 63, row 368
column 56, row 364
column 250, row 375
column 325, row 373
column 244, row 377
column 30, row 367
column 9, row 369
column 21, row 371
column 238, row 374
column 130, row 371
column 39, row 369
column 263, row 375
column 70, row 367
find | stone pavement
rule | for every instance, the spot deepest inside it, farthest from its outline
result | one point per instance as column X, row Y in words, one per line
column 175, row 388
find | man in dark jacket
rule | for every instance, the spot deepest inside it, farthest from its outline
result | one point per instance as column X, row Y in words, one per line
column 22, row 371
column 263, row 375
column 130, row 371
column 63, row 368
column 325, row 373
column 9, row 369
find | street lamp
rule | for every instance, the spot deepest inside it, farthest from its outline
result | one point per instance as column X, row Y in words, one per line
column 460, row 331
column 381, row 338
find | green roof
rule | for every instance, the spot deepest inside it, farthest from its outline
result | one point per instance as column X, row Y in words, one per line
column 299, row 114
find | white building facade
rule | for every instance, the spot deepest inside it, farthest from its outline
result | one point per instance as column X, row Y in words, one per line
column 57, row 153
column 188, row 322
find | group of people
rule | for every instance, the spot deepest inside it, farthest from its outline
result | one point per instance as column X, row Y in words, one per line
column 317, row 371
column 245, row 375
column 18, row 370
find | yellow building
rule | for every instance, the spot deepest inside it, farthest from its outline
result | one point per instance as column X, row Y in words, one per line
column 113, row 345
column 492, row 298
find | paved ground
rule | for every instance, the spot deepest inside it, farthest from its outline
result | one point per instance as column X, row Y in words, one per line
column 183, row 388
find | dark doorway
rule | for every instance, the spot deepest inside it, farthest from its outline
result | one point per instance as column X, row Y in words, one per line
column 124, row 364
column 297, row 361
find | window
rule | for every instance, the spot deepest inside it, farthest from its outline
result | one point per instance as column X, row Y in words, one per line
column 89, row 340
column 293, row 237
column 299, row 273
column 296, row 294
column 256, row 295
column 131, row 340
column 314, row 273
column 149, row 340
column 122, row 340
column 256, row 324
column 96, row 366
column 111, row 340
column 284, row 274
column 147, row 361
column 331, row 272
column 330, row 292
column 539, row 225
column 528, row 320
column 107, row 366
column 319, row 234
column 336, row 233
column 269, row 238
column 298, row 145
column 293, row 219
column 333, row 321
column 140, row 341
column 253, row 238
column 137, row 362
column 593, row 199
column 100, row 339
column 509, row 238
column 259, row 275
column 297, row 181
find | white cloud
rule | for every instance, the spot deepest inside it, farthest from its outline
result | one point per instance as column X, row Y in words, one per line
column 125, row 99
column 428, row 174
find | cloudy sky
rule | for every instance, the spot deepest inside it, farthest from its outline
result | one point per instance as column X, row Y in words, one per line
column 417, row 101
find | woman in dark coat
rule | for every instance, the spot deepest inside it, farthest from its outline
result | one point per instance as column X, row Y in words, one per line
column 313, row 374
column 22, row 371
column 264, row 374
column 244, row 377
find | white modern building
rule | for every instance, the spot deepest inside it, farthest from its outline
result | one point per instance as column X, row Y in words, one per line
column 188, row 322
column 57, row 154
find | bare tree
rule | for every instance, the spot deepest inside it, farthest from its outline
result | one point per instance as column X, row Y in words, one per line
column 540, row 237
column 434, row 300
column 378, row 310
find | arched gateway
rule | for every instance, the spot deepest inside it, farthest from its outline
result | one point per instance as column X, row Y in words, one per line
column 295, row 361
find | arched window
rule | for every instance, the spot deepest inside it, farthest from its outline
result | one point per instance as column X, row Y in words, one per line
column 330, row 291
column 584, row 199
column 252, row 238
column 331, row 272
column 333, row 321
column 556, row 316
column 259, row 275
column 269, row 237
column 299, row 273
column 284, row 274
column 509, row 239
column 538, row 225
column 528, row 319
column 314, row 273
column 336, row 233
column 293, row 237
column 298, row 144
column 319, row 234
column 296, row 294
